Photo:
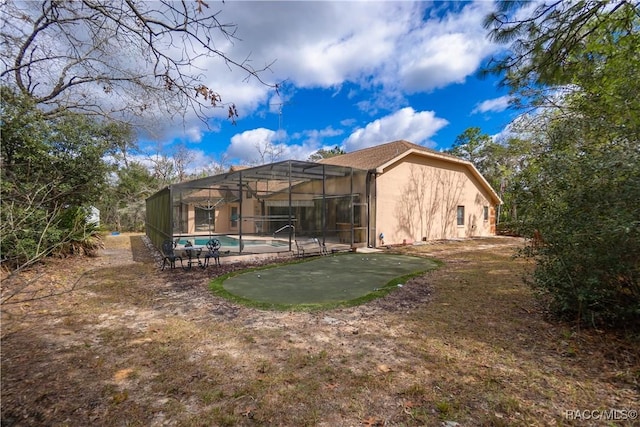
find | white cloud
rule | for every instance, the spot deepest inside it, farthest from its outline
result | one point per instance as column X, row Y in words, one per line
column 384, row 44
column 314, row 137
column 385, row 49
column 194, row 133
column 408, row 124
column 440, row 51
column 321, row 44
column 495, row 105
column 262, row 145
column 247, row 146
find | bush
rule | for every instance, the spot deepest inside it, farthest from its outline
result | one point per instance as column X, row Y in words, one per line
column 584, row 204
column 592, row 278
column 31, row 233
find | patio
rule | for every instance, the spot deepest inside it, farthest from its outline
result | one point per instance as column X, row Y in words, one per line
column 264, row 209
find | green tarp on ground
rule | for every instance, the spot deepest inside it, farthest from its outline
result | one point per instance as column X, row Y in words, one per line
column 323, row 280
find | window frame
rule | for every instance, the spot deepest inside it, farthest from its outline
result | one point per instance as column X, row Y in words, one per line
column 459, row 217
column 234, row 217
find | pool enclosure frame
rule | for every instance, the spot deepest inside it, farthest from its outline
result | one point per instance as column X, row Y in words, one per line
column 286, row 200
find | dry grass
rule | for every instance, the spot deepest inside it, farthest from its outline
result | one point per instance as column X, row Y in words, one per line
column 135, row 346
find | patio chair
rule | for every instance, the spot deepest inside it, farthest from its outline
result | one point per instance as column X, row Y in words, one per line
column 213, row 246
column 168, row 254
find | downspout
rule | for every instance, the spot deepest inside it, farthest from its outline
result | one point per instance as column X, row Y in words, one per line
column 368, row 192
column 372, row 175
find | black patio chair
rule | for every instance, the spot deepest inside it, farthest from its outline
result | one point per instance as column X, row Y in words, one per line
column 213, row 247
column 168, row 254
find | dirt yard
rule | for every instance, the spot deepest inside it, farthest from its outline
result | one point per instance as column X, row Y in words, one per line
column 112, row 340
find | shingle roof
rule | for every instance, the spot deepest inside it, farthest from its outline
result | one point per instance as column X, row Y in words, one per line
column 373, row 157
column 380, row 156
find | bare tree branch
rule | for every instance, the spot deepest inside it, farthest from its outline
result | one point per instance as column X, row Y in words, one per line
column 115, row 58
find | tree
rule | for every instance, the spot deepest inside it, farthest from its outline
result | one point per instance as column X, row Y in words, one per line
column 325, row 154
column 52, row 169
column 182, row 158
column 111, row 57
column 162, row 169
column 218, row 166
column 581, row 197
column 493, row 159
column 123, row 139
column 470, row 144
column 547, row 47
column 122, row 205
column 268, row 152
column 579, row 187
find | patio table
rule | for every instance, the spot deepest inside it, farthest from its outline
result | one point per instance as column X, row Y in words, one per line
column 193, row 255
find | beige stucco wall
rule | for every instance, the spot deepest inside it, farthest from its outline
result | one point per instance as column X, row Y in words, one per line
column 222, row 221
column 223, row 217
column 418, row 198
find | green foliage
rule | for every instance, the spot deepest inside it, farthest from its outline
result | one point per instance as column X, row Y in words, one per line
column 325, row 154
column 470, row 145
column 582, row 200
column 499, row 162
column 64, row 155
column 82, row 237
column 122, row 206
column 51, row 170
column 549, row 45
column 578, row 189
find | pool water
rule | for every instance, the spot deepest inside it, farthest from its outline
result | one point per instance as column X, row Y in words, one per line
column 233, row 242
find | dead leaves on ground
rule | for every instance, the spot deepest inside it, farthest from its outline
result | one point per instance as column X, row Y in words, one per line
column 372, row 422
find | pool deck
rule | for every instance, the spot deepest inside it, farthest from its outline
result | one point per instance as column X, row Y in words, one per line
column 256, row 251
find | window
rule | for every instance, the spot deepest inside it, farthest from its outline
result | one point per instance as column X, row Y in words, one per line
column 485, row 213
column 460, row 215
column 344, row 207
column 205, row 218
column 234, row 216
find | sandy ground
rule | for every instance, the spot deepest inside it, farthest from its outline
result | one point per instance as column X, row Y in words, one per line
column 69, row 303
column 112, row 340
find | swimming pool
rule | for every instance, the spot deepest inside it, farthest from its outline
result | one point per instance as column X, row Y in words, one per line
column 229, row 241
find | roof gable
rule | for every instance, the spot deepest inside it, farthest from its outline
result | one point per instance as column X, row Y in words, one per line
column 373, row 157
column 380, row 157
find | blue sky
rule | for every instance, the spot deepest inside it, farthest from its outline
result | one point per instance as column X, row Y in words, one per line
column 356, row 74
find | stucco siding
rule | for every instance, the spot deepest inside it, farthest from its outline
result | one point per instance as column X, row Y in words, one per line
column 419, row 199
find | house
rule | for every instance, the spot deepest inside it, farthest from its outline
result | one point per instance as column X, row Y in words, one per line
column 393, row 193
column 421, row 194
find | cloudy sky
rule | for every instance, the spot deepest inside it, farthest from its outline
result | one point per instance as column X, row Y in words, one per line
column 356, row 74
